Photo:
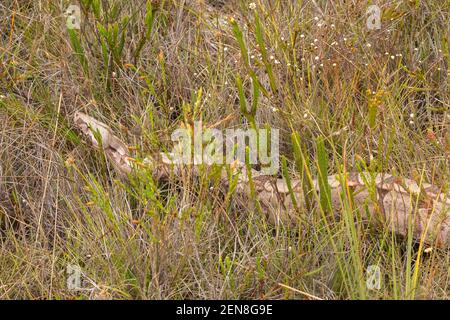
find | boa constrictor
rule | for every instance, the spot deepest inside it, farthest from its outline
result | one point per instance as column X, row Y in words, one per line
column 397, row 202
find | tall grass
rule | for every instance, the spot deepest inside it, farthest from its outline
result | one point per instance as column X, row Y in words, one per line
column 345, row 98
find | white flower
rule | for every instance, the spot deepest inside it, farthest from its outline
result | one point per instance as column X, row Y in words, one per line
column 316, row 58
column 252, row 6
column 411, row 115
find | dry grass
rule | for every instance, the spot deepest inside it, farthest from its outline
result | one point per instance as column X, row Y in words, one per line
column 377, row 97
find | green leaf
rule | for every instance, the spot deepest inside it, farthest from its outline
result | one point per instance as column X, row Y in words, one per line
column 79, row 51
column 324, row 187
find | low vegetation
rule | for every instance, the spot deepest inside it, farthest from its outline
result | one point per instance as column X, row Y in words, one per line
column 345, row 97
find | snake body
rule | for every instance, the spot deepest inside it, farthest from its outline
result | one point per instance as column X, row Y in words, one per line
column 379, row 198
